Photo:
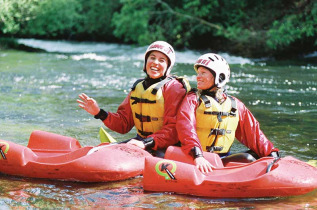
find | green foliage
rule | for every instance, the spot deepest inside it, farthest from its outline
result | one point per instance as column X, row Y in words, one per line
column 131, row 23
column 246, row 27
column 96, row 19
column 53, row 17
column 293, row 27
column 38, row 17
column 58, row 18
column 15, row 13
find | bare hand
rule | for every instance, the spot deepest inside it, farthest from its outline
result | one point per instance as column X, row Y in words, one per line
column 203, row 165
column 88, row 104
column 137, row 143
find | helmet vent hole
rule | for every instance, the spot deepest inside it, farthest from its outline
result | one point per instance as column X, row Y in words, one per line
column 222, row 77
column 211, row 58
column 217, row 57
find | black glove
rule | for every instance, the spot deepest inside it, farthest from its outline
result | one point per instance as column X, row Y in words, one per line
column 149, row 143
column 195, row 152
column 102, row 115
column 275, row 154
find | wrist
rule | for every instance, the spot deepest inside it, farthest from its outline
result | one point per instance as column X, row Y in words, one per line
column 275, row 153
column 195, row 152
column 102, row 115
column 149, row 143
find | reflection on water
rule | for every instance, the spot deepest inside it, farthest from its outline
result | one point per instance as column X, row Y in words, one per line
column 129, row 193
column 53, row 194
column 39, row 91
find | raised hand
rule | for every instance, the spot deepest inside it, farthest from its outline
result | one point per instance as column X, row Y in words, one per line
column 88, row 104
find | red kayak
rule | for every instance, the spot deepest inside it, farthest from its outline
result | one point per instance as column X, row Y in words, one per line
column 266, row 177
column 53, row 156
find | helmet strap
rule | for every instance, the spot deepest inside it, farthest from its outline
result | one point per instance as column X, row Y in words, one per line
column 211, row 88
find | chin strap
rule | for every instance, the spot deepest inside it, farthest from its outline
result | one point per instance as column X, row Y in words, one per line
column 212, row 87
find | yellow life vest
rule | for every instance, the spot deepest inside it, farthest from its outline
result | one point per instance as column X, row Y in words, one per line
column 216, row 123
column 147, row 105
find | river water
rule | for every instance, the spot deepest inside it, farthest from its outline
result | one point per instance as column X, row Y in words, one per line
column 38, row 91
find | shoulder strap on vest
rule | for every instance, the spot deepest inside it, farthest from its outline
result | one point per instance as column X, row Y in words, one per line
column 206, row 101
column 161, row 84
column 233, row 106
column 184, row 82
column 220, row 113
column 135, row 84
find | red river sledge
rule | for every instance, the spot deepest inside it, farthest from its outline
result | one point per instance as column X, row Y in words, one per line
column 53, row 156
column 266, row 177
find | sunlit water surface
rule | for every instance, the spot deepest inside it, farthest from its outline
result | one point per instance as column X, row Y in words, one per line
column 38, row 91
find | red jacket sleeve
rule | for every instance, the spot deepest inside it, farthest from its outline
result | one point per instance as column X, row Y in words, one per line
column 173, row 93
column 249, row 133
column 121, row 121
column 186, row 123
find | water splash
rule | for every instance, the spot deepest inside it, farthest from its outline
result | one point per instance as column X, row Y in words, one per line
column 91, row 48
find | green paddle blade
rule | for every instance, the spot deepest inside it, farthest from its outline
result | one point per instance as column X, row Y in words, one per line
column 105, row 136
column 312, row 162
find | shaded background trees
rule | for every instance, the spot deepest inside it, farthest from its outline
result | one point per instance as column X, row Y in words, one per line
column 278, row 28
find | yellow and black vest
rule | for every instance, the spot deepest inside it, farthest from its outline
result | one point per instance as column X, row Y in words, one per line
column 147, row 105
column 216, row 123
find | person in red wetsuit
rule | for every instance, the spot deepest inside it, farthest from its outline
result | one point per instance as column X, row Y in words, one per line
column 209, row 119
column 152, row 104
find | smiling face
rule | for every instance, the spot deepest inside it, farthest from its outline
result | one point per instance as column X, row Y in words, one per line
column 205, row 79
column 156, row 64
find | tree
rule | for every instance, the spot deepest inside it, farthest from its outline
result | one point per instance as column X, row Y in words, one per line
column 53, row 18
column 298, row 26
column 247, row 27
column 14, row 14
column 95, row 22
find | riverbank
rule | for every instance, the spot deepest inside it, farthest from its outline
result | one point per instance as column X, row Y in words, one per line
column 36, row 45
column 12, row 43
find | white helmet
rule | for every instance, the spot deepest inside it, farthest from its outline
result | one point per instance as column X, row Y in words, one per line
column 217, row 65
column 164, row 48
